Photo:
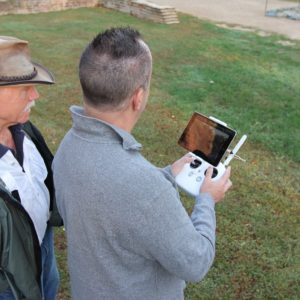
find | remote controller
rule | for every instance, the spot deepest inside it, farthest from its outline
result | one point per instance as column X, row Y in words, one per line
column 207, row 139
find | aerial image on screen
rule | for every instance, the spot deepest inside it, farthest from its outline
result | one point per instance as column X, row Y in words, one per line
column 206, row 138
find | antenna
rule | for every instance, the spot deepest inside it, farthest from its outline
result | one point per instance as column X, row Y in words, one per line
column 235, row 150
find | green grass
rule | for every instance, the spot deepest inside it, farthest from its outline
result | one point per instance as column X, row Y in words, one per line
column 250, row 82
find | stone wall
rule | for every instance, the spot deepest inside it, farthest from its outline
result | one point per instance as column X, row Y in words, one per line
column 35, row 6
column 139, row 8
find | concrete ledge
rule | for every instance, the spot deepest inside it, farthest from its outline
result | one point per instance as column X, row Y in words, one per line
column 144, row 10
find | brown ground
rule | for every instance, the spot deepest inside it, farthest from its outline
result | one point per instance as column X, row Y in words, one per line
column 246, row 13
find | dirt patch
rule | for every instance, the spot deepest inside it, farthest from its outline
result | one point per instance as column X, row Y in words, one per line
column 286, row 43
column 242, row 28
column 258, row 32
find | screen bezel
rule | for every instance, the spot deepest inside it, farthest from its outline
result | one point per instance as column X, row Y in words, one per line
column 196, row 117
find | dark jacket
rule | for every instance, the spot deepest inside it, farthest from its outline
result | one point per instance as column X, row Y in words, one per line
column 20, row 253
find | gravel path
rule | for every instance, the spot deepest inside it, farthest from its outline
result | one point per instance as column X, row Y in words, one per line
column 246, row 13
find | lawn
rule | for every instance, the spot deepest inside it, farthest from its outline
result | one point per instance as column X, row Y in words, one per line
column 250, row 82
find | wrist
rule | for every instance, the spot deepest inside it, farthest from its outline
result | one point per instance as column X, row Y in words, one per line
column 205, row 197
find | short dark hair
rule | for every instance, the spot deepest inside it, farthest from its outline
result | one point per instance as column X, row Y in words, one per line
column 113, row 66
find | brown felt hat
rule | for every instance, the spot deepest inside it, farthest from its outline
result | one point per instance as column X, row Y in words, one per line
column 16, row 66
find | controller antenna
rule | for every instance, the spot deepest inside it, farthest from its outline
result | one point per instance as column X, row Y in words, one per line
column 235, row 150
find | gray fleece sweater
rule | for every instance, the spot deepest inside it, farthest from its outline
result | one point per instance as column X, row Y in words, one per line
column 129, row 237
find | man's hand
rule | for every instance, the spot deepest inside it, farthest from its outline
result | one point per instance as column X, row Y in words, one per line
column 217, row 188
column 177, row 166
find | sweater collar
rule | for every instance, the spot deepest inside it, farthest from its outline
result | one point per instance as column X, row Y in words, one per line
column 89, row 127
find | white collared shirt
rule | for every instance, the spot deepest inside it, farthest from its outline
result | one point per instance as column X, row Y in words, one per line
column 29, row 183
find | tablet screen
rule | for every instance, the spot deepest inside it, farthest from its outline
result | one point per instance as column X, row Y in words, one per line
column 206, row 138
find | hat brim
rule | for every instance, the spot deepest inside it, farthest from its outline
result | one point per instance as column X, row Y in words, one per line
column 43, row 76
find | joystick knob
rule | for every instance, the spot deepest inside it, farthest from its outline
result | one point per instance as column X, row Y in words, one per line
column 195, row 164
column 214, row 174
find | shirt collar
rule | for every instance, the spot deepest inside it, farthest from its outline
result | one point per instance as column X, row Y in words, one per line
column 98, row 128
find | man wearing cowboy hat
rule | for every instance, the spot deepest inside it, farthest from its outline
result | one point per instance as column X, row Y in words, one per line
column 27, row 209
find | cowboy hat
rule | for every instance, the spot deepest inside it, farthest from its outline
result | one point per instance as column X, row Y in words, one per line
column 16, row 66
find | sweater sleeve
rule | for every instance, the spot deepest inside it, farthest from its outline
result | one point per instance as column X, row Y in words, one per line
column 167, row 173
column 184, row 246
column 203, row 217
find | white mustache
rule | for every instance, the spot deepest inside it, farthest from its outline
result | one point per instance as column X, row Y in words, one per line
column 29, row 105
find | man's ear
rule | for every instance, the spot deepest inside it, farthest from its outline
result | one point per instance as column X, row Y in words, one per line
column 138, row 99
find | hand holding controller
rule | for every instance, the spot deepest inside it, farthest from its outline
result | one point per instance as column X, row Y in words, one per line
column 217, row 189
column 192, row 175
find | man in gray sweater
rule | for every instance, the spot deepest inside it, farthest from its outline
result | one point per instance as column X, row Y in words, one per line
column 129, row 237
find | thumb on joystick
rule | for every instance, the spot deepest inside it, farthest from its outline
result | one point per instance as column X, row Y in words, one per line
column 209, row 172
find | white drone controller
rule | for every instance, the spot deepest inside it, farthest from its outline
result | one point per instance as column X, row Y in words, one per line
column 192, row 175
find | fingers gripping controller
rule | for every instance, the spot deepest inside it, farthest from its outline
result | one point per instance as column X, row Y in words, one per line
column 192, row 175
